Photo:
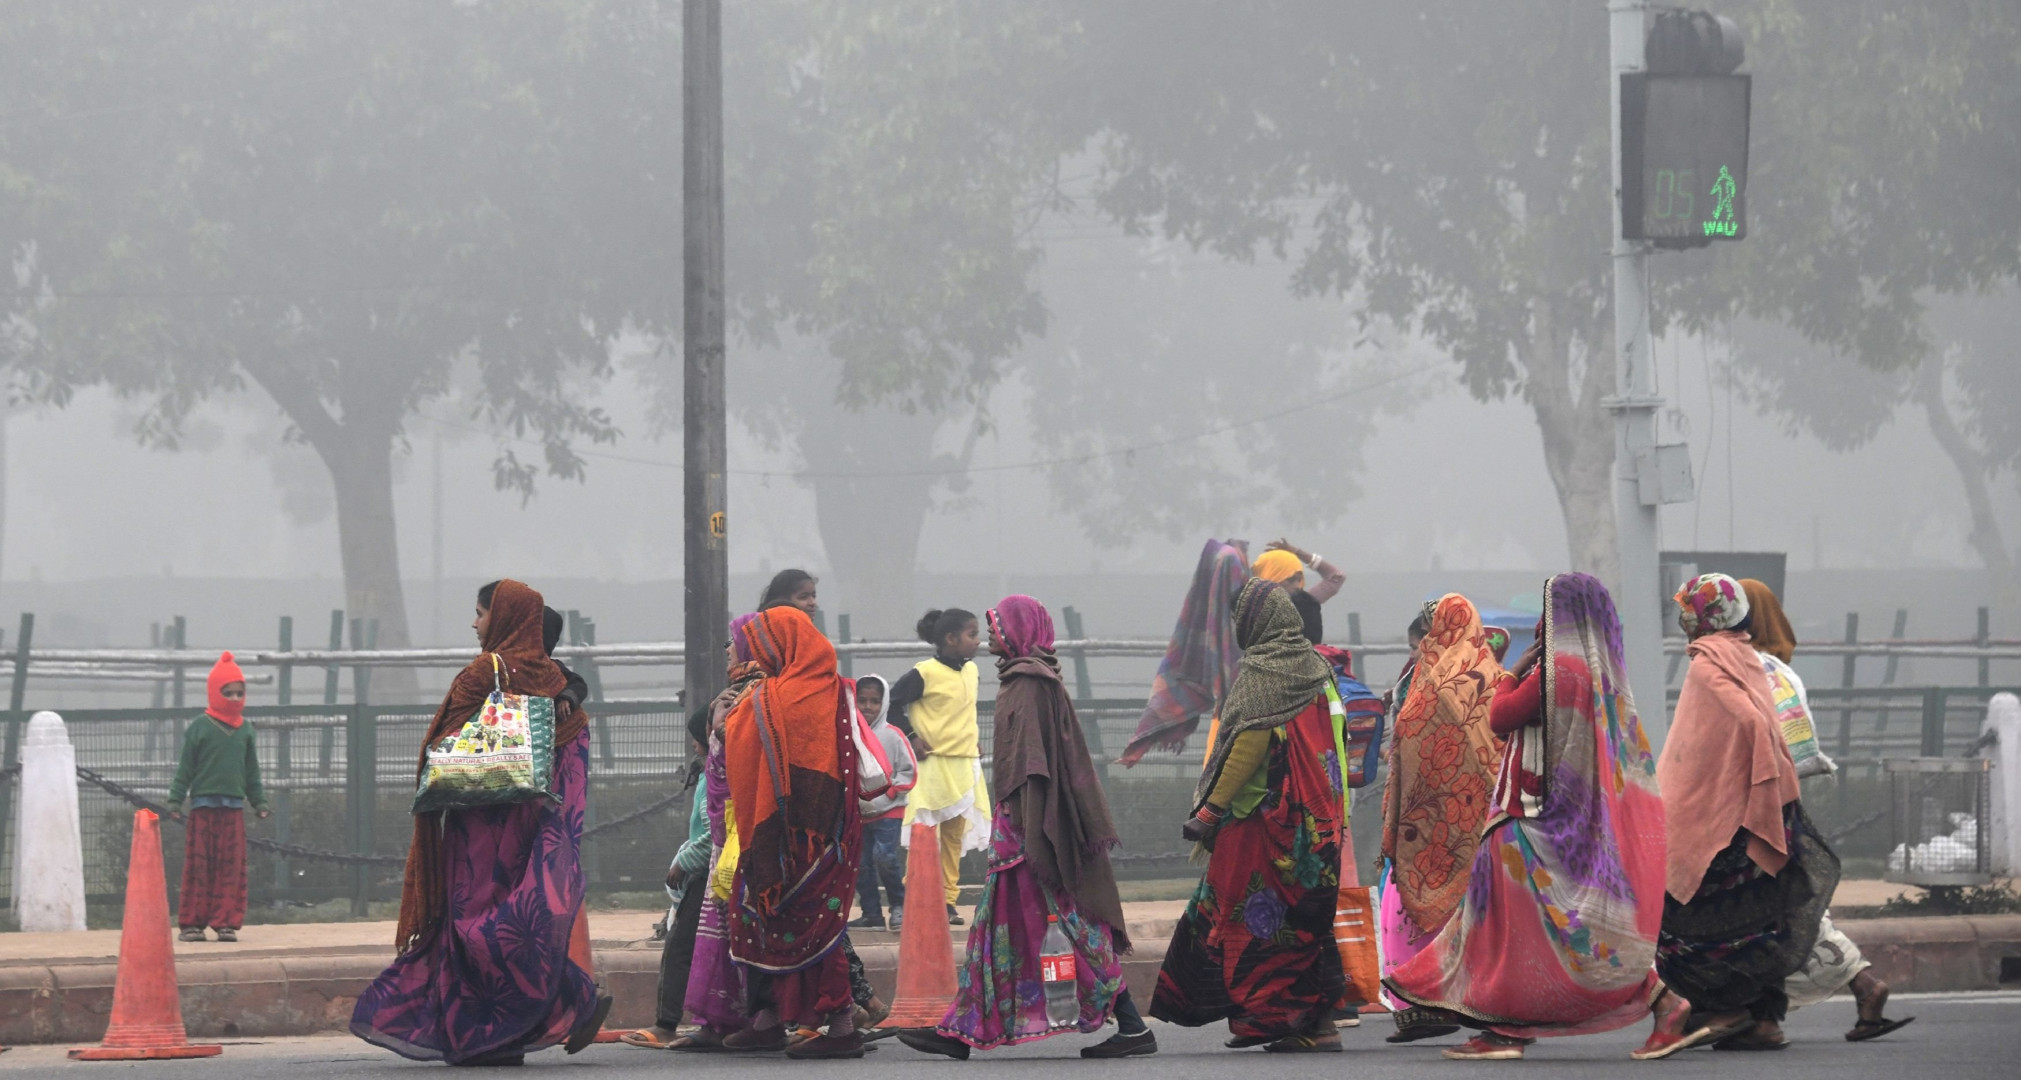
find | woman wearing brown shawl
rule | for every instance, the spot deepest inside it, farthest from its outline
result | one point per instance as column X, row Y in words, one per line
column 792, row 773
column 1835, row 963
column 1255, row 944
column 492, row 895
column 1437, row 795
column 1048, row 862
column 1747, row 878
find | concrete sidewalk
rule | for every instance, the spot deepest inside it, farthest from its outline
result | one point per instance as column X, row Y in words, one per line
column 302, row 979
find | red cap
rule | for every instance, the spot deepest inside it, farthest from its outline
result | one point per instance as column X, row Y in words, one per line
column 228, row 713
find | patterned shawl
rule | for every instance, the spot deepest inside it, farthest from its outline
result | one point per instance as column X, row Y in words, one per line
column 792, row 768
column 1557, row 930
column 1043, row 772
column 1442, row 765
column 1199, row 667
column 1279, row 675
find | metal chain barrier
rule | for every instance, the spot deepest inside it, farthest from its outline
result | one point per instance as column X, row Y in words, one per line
column 297, row 851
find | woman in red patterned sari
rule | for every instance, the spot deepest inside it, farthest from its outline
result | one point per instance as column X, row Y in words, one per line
column 1255, row 944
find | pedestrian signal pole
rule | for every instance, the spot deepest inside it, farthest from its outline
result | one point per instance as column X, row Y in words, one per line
column 704, row 441
column 1637, row 596
column 1680, row 181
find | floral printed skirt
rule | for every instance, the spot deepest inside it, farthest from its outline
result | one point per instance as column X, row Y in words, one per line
column 1255, row 944
column 1000, row 999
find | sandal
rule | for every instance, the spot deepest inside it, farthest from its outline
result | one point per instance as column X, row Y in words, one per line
column 752, row 1040
column 701, row 1042
column 1488, row 1046
column 825, row 1047
column 1874, row 1029
column 1661, row 1044
column 1244, row 1042
column 1420, row 1022
column 585, row 1030
column 648, row 1039
column 1751, row 1040
column 1305, row 1044
column 929, row 1041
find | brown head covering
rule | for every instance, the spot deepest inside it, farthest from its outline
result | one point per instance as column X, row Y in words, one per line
column 524, row 667
column 1442, row 765
column 1725, row 766
column 1042, row 770
column 1769, row 626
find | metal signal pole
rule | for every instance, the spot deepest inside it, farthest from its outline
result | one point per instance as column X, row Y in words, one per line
column 705, row 547
column 1634, row 408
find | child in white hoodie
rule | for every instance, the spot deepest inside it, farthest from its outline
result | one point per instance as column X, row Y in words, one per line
column 883, row 816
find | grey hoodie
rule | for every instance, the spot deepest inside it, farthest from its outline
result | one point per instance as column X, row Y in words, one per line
column 904, row 765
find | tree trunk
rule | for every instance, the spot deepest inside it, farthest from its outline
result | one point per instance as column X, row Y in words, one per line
column 870, row 525
column 1578, row 436
column 1972, row 468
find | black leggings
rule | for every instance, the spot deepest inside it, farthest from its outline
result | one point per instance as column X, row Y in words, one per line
column 1128, row 1021
column 678, row 954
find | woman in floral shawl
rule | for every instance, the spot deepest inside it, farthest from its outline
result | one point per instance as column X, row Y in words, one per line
column 1556, row 934
column 1048, row 861
column 1255, row 944
column 1436, row 796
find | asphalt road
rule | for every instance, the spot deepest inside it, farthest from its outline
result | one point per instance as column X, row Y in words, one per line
column 1956, row 1037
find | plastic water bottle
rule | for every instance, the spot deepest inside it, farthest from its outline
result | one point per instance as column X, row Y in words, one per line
column 1056, row 970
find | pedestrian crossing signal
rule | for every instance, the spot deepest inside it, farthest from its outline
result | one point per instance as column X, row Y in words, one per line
column 1684, row 158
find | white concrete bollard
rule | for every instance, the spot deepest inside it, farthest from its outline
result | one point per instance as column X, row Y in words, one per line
column 2003, row 723
column 49, row 846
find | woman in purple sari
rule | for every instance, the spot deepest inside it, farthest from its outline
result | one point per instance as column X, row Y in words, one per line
column 492, row 895
column 1048, row 861
column 718, row 998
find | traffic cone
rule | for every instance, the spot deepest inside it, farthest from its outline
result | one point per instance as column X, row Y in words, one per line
column 146, row 1009
column 925, row 948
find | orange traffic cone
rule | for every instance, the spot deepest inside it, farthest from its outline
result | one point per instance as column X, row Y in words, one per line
column 925, row 948
column 146, row 1008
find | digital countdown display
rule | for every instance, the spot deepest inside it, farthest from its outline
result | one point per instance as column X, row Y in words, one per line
column 1684, row 158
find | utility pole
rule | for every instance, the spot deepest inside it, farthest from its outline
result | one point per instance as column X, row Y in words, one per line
column 1634, row 408
column 705, row 446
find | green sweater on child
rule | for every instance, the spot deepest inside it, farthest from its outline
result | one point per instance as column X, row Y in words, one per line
column 218, row 760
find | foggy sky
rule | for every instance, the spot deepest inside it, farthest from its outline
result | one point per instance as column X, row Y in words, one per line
column 1456, row 481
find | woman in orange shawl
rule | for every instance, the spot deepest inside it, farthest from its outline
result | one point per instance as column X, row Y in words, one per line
column 1748, row 877
column 492, row 894
column 792, row 773
column 1436, row 798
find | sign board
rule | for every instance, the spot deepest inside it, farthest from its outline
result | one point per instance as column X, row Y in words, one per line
column 1684, row 158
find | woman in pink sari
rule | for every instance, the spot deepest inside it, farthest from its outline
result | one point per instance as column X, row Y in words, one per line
column 1556, row 934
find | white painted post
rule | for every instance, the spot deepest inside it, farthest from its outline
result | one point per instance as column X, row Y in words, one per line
column 48, row 846
column 2003, row 723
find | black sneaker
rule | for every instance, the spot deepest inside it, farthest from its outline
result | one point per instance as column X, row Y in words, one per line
column 1120, row 1045
column 953, row 917
column 897, row 920
column 867, row 922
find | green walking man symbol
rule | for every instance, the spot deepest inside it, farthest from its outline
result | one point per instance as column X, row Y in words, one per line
column 1723, row 190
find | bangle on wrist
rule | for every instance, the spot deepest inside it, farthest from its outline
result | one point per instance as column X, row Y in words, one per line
column 1312, row 561
column 1208, row 814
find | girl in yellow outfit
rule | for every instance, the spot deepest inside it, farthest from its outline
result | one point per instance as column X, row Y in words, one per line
column 934, row 704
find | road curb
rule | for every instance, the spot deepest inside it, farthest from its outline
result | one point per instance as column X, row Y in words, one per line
column 272, row 996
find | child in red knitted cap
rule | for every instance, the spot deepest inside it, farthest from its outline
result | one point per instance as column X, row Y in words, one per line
column 219, row 774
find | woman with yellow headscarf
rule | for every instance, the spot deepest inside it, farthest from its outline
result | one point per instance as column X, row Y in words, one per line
column 1286, row 563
